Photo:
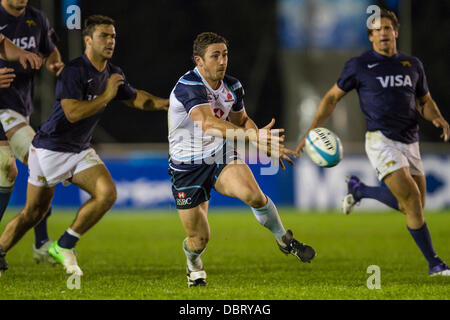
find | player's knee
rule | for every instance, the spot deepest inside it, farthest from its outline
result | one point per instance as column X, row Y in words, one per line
column 410, row 202
column 409, row 196
column 107, row 196
column 8, row 169
column 255, row 199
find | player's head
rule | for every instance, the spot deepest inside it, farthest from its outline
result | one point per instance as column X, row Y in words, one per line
column 210, row 54
column 17, row 4
column 100, row 35
column 384, row 38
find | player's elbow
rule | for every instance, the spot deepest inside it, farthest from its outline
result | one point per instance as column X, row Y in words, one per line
column 70, row 116
column 148, row 105
column 69, row 109
column 331, row 99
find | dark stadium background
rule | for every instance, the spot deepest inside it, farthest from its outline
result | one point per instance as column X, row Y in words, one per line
column 154, row 48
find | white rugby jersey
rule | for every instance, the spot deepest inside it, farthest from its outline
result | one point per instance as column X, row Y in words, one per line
column 187, row 141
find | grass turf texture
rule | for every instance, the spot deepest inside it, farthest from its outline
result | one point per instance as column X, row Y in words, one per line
column 138, row 255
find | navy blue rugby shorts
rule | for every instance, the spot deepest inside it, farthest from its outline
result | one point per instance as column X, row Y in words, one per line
column 192, row 183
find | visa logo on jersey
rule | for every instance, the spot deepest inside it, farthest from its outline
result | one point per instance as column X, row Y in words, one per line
column 25, row 43
column 395, row 81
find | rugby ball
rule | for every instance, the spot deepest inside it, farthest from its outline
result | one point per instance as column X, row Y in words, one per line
column 323, row 147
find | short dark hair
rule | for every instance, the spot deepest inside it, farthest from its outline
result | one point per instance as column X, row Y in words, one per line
column 385, row 13
column 92, row 21
column 205, row 39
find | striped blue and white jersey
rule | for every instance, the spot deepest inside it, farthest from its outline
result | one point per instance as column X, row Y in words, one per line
column 187, row 142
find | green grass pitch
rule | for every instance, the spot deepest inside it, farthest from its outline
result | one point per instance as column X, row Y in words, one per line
column 138, row 255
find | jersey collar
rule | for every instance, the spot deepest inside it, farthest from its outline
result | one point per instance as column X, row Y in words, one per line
column 88, row 62
column 381, row 56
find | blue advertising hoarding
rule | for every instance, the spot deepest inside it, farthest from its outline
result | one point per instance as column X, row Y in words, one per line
column 144, row 183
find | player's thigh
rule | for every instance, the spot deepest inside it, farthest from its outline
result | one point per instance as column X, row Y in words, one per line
column 96, row 181
column 195, row 220
column 13, row 130
column 20, row 142
column 402, row 185
column 236, row 180
column 385, row 155
column 422, row 185
column 20, row 137
column 416, row 168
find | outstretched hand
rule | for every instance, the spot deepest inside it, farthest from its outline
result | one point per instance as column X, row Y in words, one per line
column 284, row 155
column 300, row 147
column 270, row 140
column 441, row 123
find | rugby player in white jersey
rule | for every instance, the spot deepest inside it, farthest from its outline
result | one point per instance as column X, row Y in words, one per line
column 388, row 83
column 200, row 159
column 61, row 152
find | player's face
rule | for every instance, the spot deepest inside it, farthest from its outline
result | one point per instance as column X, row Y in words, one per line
column 17, row 4
column 214, row 62
column 384, row 39
column 103, row 41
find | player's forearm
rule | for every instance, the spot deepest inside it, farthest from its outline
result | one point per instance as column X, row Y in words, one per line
column 430, row 110
column 149, row 102
column 76, row 110
column 324, row 111
column 54, row 57
column 225, row 129
column 250, row 124
column 9, row 51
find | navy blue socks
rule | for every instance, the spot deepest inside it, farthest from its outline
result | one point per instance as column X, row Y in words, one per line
column 381, row 193
column 423, row 240
column 40, row 231
column 69, row 239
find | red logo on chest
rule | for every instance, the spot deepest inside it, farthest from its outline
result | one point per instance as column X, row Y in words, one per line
column 218, row 113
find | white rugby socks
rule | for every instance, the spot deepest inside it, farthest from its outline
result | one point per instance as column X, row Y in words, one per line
column 193, row 259
column 268, row 217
